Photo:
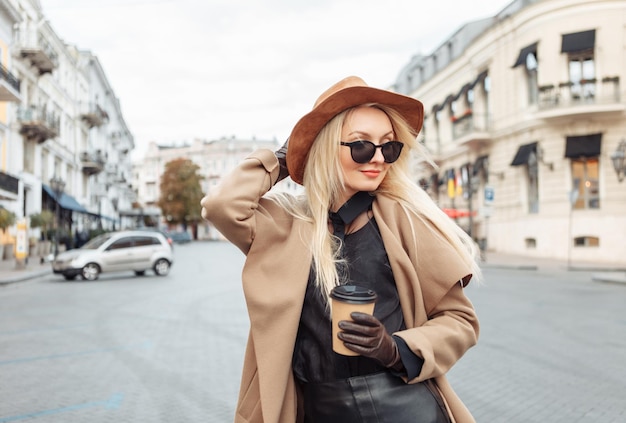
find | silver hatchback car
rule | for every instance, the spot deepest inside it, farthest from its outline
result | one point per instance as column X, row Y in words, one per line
column 136, row 251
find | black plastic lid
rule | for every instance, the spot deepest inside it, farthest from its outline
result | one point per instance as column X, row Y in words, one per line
column 353, row 294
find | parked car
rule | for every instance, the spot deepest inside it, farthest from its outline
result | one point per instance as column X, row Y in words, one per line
column 180, row 237
column 135, row 251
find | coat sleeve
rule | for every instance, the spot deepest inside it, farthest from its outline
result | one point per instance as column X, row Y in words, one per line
column 452, row 329
column 441, row 320
column 232, row 205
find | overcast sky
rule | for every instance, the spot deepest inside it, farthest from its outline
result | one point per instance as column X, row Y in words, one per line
column 185, row 69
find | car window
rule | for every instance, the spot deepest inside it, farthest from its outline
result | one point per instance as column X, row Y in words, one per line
column 141, row 241
column 96, row 242
column 121, row 243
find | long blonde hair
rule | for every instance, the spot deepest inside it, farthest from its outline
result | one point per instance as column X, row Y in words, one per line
column 323, row 182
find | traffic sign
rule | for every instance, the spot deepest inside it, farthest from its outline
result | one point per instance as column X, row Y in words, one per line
column 489, row 195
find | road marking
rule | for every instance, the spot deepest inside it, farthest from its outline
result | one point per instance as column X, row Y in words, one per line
column 142, row 345
column 110, row 404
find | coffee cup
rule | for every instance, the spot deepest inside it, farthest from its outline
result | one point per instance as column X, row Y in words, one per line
column 344, row 300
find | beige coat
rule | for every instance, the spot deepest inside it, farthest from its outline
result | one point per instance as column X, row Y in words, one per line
column 441, row 320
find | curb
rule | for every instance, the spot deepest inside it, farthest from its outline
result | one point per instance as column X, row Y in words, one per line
column 509, row 266
column 22, row 278
column 610, row 277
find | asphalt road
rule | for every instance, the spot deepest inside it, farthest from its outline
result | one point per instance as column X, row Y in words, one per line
column 169, row 349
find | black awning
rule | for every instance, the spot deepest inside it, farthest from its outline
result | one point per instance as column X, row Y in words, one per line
column 583, row 146
column 523, row 154
column 479, row 79
column 462, row 91
column 578, row 41
column 521, row 59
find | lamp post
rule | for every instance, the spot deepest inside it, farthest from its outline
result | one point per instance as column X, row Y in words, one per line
column 57, row 185
column 618, row 157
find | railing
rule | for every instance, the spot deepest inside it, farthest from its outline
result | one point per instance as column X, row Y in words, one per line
column 574, row 93
column 469, row 123
column 38, row 115
column 30, row 41
column 96, row 157
column 9, row 78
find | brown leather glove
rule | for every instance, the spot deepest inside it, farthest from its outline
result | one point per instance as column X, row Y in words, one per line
column 366, row 335
column 281, row 155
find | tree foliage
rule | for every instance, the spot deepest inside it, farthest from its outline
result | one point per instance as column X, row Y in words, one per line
column 181, row 192
column 43, row 220
column 7, row 218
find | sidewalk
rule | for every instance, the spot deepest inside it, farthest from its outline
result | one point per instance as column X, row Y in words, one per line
column 9, row 272
column 602, row 272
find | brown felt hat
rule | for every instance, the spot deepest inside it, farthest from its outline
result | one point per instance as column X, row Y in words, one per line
column 349, row 92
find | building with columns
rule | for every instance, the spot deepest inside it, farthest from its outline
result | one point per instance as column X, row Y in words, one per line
column 525, row 121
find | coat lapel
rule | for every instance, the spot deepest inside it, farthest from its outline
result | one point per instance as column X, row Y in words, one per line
column 274, row 291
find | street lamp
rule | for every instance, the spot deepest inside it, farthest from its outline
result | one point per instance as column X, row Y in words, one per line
column 57, row 185
column 618, row 159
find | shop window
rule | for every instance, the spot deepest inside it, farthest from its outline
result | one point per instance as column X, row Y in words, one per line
column 587, row 241
column 585, row 183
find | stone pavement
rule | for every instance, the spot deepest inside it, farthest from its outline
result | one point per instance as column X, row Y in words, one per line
column 602, row 272
column 9, row 273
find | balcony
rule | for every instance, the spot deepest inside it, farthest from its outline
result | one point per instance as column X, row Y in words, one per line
column 582, row 97
column 471, row 130
column 93, row 163
column 9, row 86
column 33, row 48
column 93, row 115
column 36, row 124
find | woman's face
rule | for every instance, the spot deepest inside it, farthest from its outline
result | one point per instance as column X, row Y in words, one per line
column 371, row 124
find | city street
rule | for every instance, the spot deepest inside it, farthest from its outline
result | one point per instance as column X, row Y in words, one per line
column 169, row 349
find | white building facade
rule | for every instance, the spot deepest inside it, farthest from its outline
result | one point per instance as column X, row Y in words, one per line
column 215, row 158
column 525, row 113
column 59, row 114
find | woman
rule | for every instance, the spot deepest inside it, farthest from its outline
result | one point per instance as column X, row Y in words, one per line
column 361, row 221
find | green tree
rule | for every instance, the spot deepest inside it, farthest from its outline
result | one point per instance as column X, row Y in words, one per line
column 43, row 220
column 181, row 193
column 7, row 219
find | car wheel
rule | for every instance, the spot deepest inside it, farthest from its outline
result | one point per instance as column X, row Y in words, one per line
column 140, row 272
column 162, row 267
column 90, row 272
column 69, row 277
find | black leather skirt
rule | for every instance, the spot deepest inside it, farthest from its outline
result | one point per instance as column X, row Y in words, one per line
column 375, row 398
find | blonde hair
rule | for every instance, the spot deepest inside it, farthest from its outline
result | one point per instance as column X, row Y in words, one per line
column 323, row 182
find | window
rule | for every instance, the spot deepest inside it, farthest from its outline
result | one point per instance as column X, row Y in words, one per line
column 527, row 155
column 585, row 183
column 533, row 183
column 582, row 75
column 587, row 241
column 120, row 243
column 531, row 77
column 142, row 241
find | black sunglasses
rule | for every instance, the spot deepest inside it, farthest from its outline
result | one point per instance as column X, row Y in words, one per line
column 362, row 151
